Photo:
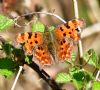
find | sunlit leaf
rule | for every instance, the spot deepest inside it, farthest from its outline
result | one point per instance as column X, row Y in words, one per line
column 91, row 58
column 96, row 85
column 63, row 78
column 7, row 67
column 37, row 26
column 7, row 73
column 68, row 62
column 28, row 59
column 80, row 77
column 78, row 84
column 5, row 22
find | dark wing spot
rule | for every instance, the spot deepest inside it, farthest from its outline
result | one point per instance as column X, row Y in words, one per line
column 69, row 32
column 61, row 43
column 61, row 48
column 64, row 41
column 30, row 42
column 36, row 42
column 39, row 48
column 77, row 29
column 35, row 35
column 61, row 29
column 67, row 26
column 30, row 34
column 43, row 53
column 64, row 34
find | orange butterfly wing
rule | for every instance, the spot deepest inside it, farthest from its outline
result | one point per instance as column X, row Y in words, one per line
column 64, row 50
column 42, row 55
column 63, row 33
column 69, row 30
column 33, row 43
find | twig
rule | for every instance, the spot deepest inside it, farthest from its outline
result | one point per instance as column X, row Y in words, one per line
column 44, row 75
column 75, row 9
column 47, row 13
column 80, row 42
column 97, row 76
column 16, row 79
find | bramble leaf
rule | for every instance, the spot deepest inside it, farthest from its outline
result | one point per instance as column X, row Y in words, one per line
column 7, row 67
column 37, row 26
column 91, row 58
column 28, row 59
column 80, row 77
column 96, row 85
column 5, row 22
column 63, row 78
column 7, row 73
column 7, row 48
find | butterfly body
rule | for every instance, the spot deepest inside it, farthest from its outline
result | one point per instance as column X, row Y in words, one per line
column 54, row 45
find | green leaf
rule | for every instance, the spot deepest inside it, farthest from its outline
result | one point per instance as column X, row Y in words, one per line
column 7, row 67
column 63, row 78
column 77, row 84
column 91, row 58
column 28, row 59
column 7, row 73
column 96, row 85
column 7, row 48
column 5, row 22
column 80, row 77
column 68, row 62
column 37, row 26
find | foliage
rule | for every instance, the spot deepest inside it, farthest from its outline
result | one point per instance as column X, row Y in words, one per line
column 7, row 67
column 96, row 85
column 5, row 22
column 37, row 26
column 16, row 56
column 63, row 78
column 91, row 58
column 80, row 77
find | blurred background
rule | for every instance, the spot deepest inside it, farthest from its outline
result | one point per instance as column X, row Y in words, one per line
column 89, row 10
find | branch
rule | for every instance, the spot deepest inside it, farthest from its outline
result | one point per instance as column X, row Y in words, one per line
column 79, row 42
column 44, row 76
column 97, row 76
column 32, row 13
column 16, row 79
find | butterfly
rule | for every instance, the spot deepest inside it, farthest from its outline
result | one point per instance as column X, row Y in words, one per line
column 49, row 46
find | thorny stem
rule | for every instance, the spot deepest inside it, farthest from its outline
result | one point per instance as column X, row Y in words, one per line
column 16, row 79
column 79, row 42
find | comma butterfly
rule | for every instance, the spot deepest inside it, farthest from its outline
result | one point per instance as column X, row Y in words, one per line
column 58, row 46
